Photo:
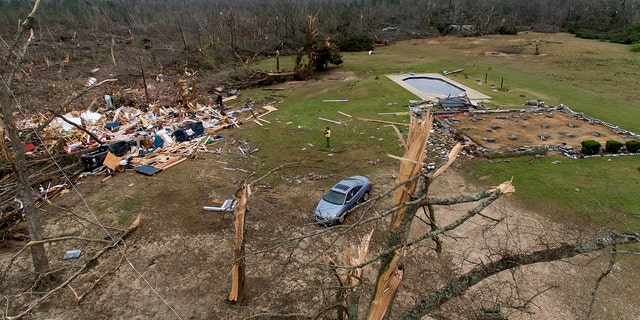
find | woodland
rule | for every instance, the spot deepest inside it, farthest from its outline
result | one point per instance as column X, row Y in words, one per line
column 216, row 33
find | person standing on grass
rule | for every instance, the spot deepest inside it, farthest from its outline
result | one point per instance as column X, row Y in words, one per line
column 327, row 135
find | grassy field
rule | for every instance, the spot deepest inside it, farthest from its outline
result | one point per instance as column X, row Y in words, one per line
column 600, row 79
column 600, row 189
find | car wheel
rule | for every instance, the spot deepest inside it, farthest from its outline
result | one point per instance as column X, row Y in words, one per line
column 365, row 197
column 335, row 222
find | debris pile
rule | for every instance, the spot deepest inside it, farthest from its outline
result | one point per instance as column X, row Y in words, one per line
column 117, row 134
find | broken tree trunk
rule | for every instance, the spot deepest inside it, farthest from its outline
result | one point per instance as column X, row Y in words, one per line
column 144, row 81
column 390, row 273
column 349, row 295
column 238, row 270
column 388, row 283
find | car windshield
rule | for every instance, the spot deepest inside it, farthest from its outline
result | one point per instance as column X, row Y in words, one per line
column 334, row 197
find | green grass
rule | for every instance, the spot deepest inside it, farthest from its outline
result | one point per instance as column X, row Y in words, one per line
column 130, row 202
column 296, row 131
column 601, row 189
column 123, row 219
column 122, row 207
column 594, row 77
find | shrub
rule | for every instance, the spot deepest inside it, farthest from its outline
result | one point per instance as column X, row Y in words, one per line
column 627, row 35
column 613, row 146
column 510, row 30
column 586, row 33
column 634, row 47
column 633, row 146
column 355, row 44
column 590, row 147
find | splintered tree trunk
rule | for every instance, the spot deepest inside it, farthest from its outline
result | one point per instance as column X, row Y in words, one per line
column 349, row 295
column 390, row 272
column 238, row 270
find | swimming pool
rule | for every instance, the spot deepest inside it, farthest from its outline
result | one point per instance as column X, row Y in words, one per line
column 435, row 86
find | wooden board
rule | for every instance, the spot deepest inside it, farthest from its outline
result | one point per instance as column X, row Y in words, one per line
column 111, row 161
column 229, row 98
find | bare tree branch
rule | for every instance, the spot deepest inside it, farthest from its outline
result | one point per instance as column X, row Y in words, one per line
column 27, row 24
column 81, row 128
column 64, row 105
column 605, row 273
column 463, row 283
column 134, row 225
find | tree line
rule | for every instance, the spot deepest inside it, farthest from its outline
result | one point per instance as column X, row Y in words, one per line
column 226, row 29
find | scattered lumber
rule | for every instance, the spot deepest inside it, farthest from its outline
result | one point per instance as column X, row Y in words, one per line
column 229, row 98
column 171, row 162
column 269, row 109
column 336, row 100
column 329, row 120
column 447, row 72
column 382, row 121
column 259, row 118
column 65, row 138
column 403, row 113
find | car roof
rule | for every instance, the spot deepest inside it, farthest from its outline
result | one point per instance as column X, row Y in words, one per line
column 343, row 187
column 348, row 183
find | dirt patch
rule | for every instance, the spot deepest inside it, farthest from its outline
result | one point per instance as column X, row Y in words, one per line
column 517, row 129
column 569, row 284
